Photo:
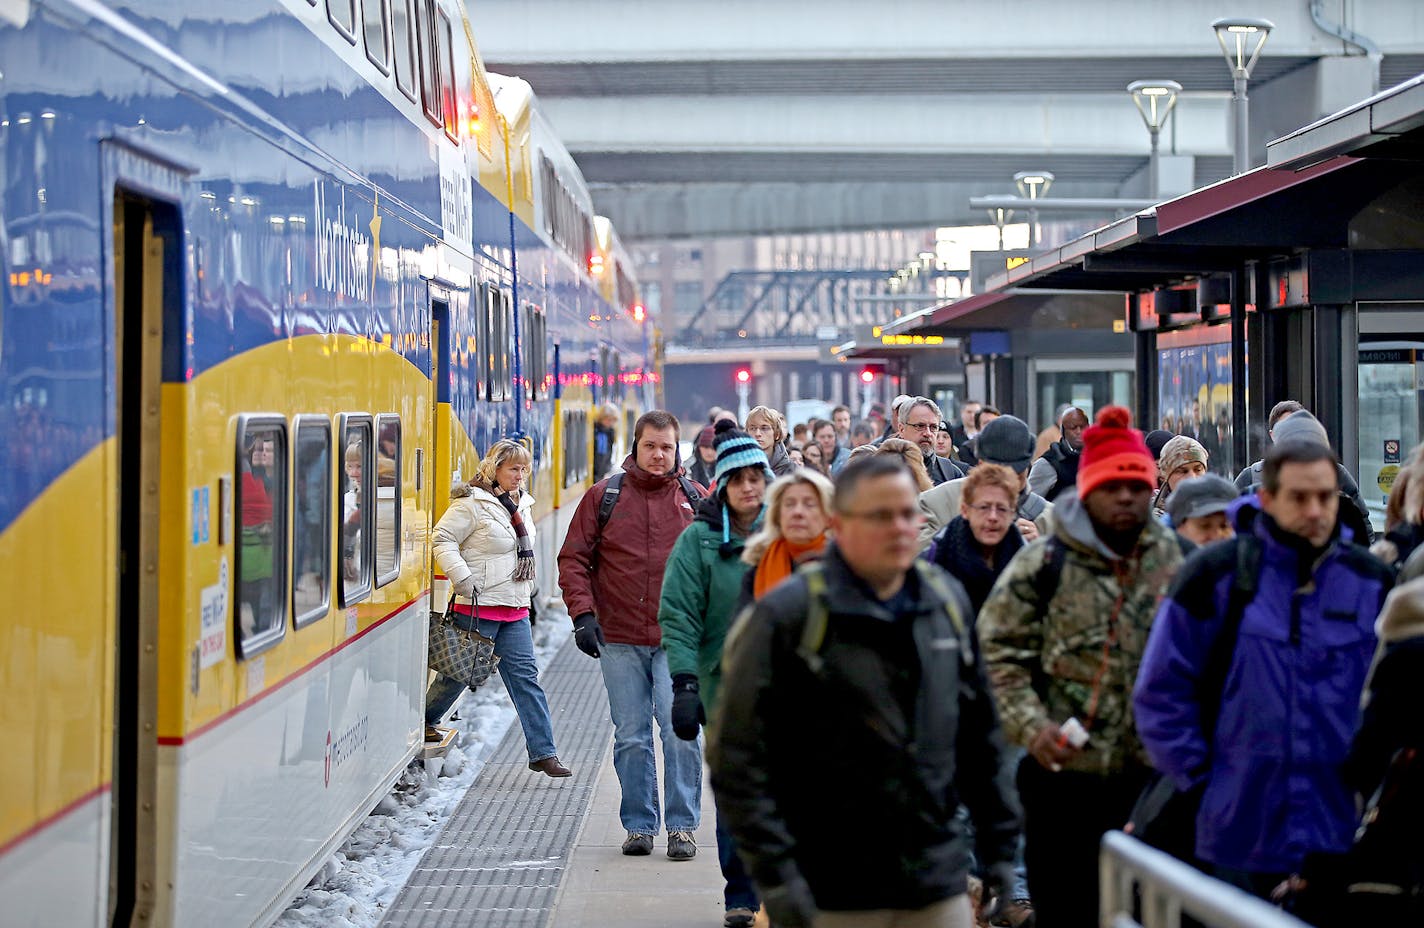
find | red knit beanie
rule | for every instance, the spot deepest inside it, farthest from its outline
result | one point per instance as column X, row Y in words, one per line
column 1114, row 450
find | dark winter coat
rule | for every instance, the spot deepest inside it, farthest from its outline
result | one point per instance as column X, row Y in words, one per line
column 811, row 763
column 955, row 549
column 603, row 439
column 780, row 460
column 1288, row 710
column 704, row 474
column 619, row 578
column 941, row 470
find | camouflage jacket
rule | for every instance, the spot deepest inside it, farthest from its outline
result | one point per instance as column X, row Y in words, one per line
column 1043, row 659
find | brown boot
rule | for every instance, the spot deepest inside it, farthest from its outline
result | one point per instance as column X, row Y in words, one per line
column 550, row 766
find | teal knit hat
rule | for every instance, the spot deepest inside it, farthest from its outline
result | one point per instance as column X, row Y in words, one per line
column 735, row 450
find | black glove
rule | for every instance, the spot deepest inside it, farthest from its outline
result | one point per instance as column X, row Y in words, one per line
column 789, row 905
column 997, row 883
column 588, row 635
column 687, row 712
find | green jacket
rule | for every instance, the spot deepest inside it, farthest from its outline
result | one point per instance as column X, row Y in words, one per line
column 701, row 586
column 1044, row 659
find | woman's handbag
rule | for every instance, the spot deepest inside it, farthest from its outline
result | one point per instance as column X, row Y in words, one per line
column 458, row 653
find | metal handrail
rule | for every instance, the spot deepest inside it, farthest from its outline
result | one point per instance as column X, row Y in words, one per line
column 1136, row 878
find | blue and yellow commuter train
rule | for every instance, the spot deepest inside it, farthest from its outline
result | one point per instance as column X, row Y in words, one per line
column 272, row 274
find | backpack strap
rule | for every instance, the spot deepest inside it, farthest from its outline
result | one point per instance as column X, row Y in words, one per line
column 1244, row 584
column 611, row 489
column 813, row 633
column 689, row 489
column 1050, row 575
column 931, row 576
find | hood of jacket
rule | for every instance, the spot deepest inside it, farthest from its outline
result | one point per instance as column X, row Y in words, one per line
column 647, row 481
column 1072, row 523
column 461, row 489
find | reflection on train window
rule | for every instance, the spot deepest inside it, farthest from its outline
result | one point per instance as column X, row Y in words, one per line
column 388, row 498
column 261, row 543
column 311, row 520
column 429, row 66
column 448, row 106
column 404, row 48
column 356, row 496
column 342, row 14
column 576, row 447
column 373, row 19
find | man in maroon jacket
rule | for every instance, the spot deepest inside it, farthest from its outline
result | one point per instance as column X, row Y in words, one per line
column 612, row 579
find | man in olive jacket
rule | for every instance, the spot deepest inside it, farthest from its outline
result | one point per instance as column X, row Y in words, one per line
column 854, row 718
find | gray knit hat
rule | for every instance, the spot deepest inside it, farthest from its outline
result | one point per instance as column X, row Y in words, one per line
column 1300, row 426
column 1006, row 440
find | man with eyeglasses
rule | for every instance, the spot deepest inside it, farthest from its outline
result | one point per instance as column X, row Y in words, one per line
column 870, row 651
column 1063, row 633
column 919, row 421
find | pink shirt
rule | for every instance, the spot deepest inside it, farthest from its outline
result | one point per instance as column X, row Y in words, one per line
column 495, row 613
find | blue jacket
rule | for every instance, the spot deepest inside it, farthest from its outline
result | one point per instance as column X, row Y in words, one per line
column 1274, row 790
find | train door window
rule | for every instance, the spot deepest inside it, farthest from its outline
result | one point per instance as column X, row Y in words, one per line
column 356, row 500
column 388, row 498
column 485, row 338
column 498, row 311
column 311, row 520
column 448, row 105
column 261, row 506
column 342, row 14
column 373, row 21
column 429, row 61
column 402, row 39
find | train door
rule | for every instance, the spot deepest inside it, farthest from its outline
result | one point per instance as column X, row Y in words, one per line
column 438, row 475
column 145, row 249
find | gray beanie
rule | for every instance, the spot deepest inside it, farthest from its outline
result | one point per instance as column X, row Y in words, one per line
column 1006, row 440
column 1300, row 426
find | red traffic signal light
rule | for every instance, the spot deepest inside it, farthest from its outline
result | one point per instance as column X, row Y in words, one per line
column 744, row 375
column 867, row 376
column 639, row 313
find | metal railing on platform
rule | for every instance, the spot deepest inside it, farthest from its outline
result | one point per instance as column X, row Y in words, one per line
column 1138, row 881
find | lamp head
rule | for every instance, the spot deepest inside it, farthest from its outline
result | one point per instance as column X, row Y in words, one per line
column 1154, row 100
column 1033, row 184
column 1241, row 39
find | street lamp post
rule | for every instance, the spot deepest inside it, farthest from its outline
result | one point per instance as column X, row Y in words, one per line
column 1001, row 214
column 1241, row 40
column 1033, row 185
column 1154, row 101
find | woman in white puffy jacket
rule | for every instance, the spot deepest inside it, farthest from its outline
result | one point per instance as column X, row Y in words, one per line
column 484, row 544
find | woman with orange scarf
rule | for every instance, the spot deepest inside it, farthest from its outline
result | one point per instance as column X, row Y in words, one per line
column 798, row 508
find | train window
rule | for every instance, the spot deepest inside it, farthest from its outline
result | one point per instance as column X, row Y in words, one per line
column 311, row 521
column 342, row 14
column 388, row 498
column 373, row 19
column 483, row 342
column 504, row 376
column 261, row 507
column 402, row 39
column 429, row 67
column 448, row 106
column 356, row 499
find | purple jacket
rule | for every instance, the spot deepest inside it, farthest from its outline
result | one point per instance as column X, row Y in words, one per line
column 1274, row 791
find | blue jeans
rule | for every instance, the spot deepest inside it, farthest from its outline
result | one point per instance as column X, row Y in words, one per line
column 739, row 892
column 639, row 691
column 514, row 644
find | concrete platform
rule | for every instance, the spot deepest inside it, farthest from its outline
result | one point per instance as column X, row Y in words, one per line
column 524, row 851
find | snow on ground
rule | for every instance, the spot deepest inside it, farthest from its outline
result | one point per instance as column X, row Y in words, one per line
column 362, row 879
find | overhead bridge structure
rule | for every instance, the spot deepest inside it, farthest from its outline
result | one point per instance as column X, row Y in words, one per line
column 748, row 117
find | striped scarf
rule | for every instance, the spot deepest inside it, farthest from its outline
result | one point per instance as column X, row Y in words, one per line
column 524, row 567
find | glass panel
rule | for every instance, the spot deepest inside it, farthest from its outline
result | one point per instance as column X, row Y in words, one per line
column 342, row 14
column 355, row 509
column 261, row 549
column 404, row 50
column 429, row 69
column 1390, row 378
column 1194, row 398
column 373, row 18
column 311, row 524
column 447, row 77
column 388, row 499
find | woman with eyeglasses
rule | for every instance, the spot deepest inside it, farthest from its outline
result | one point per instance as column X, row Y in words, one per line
column 978, row 544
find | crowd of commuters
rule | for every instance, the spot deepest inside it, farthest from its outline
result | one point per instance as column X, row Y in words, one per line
column 935, row 661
